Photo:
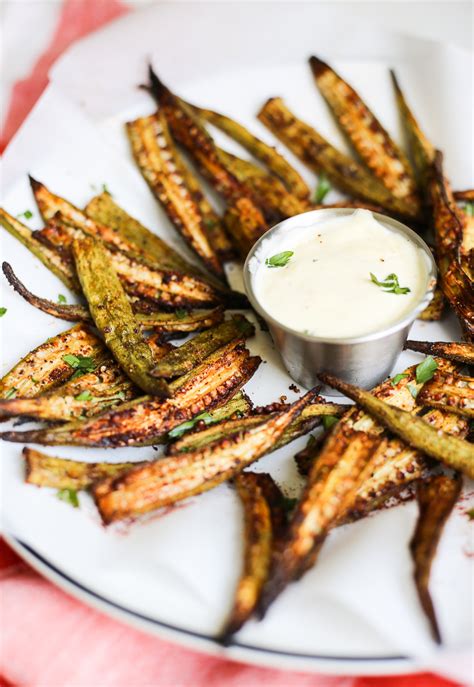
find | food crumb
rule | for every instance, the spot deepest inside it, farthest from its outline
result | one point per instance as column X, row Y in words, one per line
column 283, row 398
column 294, row 388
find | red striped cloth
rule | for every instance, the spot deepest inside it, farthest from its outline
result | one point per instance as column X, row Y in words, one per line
column 49, row 639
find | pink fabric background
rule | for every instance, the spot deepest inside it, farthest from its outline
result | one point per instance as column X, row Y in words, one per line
column 49, row 639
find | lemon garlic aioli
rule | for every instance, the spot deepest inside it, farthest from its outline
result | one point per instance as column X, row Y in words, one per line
column 340, row 277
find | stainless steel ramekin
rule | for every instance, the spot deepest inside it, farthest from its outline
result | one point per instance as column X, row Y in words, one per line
column 363, row 360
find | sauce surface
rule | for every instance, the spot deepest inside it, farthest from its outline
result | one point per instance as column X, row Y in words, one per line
column 325, row 287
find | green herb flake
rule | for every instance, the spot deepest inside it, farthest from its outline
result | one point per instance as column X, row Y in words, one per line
column 280, row 259
column 84, row 396
column 390, row 284
column 105, row 189
column 426, row 369
column 178, row 431
column 469, row 209
column 322, row 189
column 61, row 298
column 470, row 513
column 398, row 378
column 180, row 313
column 288, row 504
column 26, row 215
column 413, row 390
column 329, row 421
column 34, row 380
column 11, row 393
column 81, row 364
column 68, row 496
column 3, row 311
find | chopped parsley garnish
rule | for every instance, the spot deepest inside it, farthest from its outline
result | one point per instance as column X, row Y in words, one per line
column 280, row 259
column 390, row 284
column 84, row 396
column 426, row 369
column 180, row 313
column 105, row 189
column 61, row 298
column 413, row 390
column 398, row 378
column 470, row 513
column 329, row 421
column 322, row 189
column 178, row 431
column 81, row 364
column 11, row 393
column 68, row 496
column 288, row 504
column 2, row 311
column 27, row 214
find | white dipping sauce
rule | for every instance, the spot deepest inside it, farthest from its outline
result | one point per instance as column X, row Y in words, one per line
column 325, row 289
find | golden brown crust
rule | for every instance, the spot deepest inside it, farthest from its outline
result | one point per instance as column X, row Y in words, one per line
column 452, row 393
column 456, row 351
column 371, row 141
column 320, row 156
column 177, row 477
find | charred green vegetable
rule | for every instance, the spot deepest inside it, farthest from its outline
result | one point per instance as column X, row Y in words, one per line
column 452, row 451
column 245, row 220
column 183, row 359
column 320, row 156
column 452, row 350
column 178, row 477
column 153, row 152
column 368, row 137
column 145, row 421
column 113, row 315
column 46, row 366
column 257, row 495
column 275, row 162
column 436, row 499
column 60, row 473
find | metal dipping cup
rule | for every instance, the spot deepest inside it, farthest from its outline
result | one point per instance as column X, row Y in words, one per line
column 362, row 360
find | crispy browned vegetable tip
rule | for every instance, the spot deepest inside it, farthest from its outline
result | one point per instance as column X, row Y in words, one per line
column 308, row 420
column 50, row 258
column 154, row 153
column 436, row 499
column 113, row 315
column 466, row 247
column 145, row 421
column 370, row 140
column 60, row 473
column 177, row 477
column 450, row 450
column 422, row 151
column 467, row 195
column 452, row 350
column 70, row 313
column 449, row 392
column 47, row 366
column 334, row 480
column 275, row 162
column 245, row 219
column 320, row 156
column 262, row 504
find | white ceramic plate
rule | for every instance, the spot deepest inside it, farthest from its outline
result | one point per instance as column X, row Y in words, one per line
column 357, row 610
